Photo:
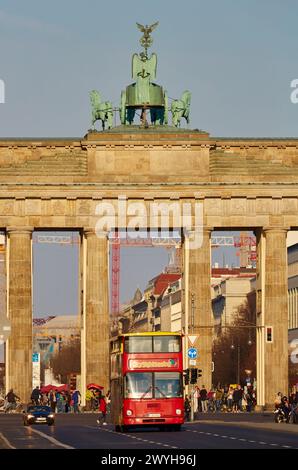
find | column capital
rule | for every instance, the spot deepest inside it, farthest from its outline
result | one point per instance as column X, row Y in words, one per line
column 200, row 229
column 92, row 232
column 20, row 230
column 276, row 229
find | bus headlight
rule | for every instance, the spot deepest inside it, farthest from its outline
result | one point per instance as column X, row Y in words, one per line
column 129, row 412
column 178, row 412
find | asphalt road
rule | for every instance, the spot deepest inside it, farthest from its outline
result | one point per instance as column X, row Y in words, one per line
column 209, row 432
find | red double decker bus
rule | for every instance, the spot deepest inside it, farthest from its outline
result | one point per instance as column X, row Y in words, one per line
column 147, row 381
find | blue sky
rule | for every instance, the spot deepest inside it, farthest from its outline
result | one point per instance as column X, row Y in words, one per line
column 237, row 58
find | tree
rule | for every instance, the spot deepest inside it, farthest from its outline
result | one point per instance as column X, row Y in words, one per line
column 68, row 360
column 236, row 342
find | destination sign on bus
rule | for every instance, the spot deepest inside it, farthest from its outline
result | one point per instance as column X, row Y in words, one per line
column 151, row 363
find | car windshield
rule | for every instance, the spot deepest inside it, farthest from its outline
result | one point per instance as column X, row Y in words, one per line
column 153, row 385
column 38, row 409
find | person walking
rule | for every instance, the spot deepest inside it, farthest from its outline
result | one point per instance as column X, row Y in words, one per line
column 187, row 408
column 204, row 401
column 196, row 395
column 76, row 401
column 60, row 402
column 218, row 398
column 108, row 401
column 102, row 408
column 53, row 400
column 230, row 399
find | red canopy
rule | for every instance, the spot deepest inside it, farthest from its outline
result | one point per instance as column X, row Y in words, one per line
column 48, row 388
column 96, row 386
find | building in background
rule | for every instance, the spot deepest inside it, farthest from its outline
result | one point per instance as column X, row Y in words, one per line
column 229, row 290
column 51, row 333
column 293, row 286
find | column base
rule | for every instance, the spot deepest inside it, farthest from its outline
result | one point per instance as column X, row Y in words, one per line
column 259, row 408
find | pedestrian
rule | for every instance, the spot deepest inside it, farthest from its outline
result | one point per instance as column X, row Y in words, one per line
column 196, row 395
column 218, row 398
column 67, row 402
column 277, row 400
column 108, row 401
column 210, row 398
column 60, row 404
column 94, row 400
column 102, row 408
column 237, row 400
column 230, row 399
column 204, row 401
column 249, row 400
column 53, row 400
column 187, row 408
column 88, row 397
column 76, row 401
column 44, row 399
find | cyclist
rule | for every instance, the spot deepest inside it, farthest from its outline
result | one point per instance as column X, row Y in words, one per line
column 11, row 400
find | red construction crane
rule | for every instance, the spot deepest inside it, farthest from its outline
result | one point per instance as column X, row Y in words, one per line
column 247, row 245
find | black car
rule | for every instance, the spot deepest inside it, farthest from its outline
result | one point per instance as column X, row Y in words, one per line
column 38, row 414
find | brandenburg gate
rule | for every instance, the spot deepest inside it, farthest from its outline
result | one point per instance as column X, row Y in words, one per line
column 241, row 184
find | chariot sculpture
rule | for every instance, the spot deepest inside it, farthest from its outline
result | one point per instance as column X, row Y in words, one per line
column 143, row 97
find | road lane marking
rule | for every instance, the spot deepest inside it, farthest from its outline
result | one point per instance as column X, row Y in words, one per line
column 52, row 439
column 6, row 441
column 238, row 439
column 130, row 436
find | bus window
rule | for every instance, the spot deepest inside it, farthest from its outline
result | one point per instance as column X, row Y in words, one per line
column 166, row 344
column 167, row 385
column 138, row 344
column 138, row 385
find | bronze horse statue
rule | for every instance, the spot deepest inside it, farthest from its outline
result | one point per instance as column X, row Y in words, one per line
column 102, row 111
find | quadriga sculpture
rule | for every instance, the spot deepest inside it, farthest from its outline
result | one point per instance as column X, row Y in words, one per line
column 102, row 111
column 180, row 108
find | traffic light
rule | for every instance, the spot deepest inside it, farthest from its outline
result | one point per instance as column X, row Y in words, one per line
column 200, row 372
column 186, row 376
column 193, row 376
column 269, row 334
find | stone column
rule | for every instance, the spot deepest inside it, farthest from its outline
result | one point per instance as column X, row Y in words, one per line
column 276, row 313
column 19, row 345
column 260, row 331
column 97, row 358
column 199, row 301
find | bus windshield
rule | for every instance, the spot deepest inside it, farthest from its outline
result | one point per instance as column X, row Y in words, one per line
column 152, row 344
column 144, row 385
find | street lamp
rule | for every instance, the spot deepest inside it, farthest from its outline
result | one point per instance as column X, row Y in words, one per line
column 249, row 342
